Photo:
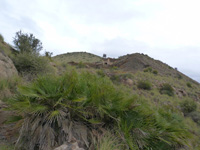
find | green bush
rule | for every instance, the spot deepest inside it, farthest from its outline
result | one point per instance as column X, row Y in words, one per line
column 1, row 38
column 155, row 72
column 101, row 73
column 195, row 115
column 149, row 69
column 189, row 85
column 188, row 106
column 145, row 85
column 33, row 64
column 27, row 43
column 167, row 89
column 115, row 78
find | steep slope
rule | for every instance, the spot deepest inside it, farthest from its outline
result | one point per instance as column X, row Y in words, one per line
column 140, row 62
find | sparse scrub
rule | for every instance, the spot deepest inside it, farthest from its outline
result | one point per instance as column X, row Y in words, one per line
column 145, row 85
column 188, row 106
column 167, row 89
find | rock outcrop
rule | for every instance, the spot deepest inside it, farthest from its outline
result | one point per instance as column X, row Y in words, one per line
column 7, row 68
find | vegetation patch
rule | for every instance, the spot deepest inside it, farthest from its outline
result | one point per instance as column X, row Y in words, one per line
column 189, row 84
column 145, row 85
column 167, row 89
column 188, row 106
column 53, row 107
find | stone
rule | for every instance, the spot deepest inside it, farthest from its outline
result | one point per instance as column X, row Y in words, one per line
column 69, row 146
column 7, row 68
column 129, row 82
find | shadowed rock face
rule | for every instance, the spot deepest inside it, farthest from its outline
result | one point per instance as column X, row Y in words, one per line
column 7, row 68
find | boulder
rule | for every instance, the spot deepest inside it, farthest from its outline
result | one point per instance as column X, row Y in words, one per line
column 7, row 68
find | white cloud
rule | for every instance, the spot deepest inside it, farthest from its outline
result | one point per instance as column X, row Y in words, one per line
column 167, row 30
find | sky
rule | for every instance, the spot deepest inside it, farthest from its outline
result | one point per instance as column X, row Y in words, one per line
column 167, row 30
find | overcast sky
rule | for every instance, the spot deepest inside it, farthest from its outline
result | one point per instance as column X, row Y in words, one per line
column 168, row 30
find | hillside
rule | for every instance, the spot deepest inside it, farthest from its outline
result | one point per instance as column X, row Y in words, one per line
column 78, row 57
column 130, row 103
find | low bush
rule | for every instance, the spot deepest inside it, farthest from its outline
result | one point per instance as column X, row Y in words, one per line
column 166, row 89
column 115, row 78
column 149, row 69
column 145, row 85
column 155, row 72
column 32, row 64
column 188, row 106
column 81, row 65
column 101, row 73
column 189, row 84
column 195, row 115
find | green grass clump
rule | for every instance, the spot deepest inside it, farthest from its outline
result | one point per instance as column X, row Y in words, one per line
column 167, row 89
column 145, row 85
column 6, row 147
column 188, row 106
column 108, row 142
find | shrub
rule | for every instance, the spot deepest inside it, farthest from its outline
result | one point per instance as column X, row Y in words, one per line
column 188, row 106
column 27, row 43
column 145, row 85
column 101, row 73
column 115, row 68
column 1, row 38
column 149, row 69
column 195, row 115
column 189, row 85
column 155, row 72
column 108, row 142
column 179, row 76
column 31, row 64
column 115, row 78
column 81, row 65
column 167, row 89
